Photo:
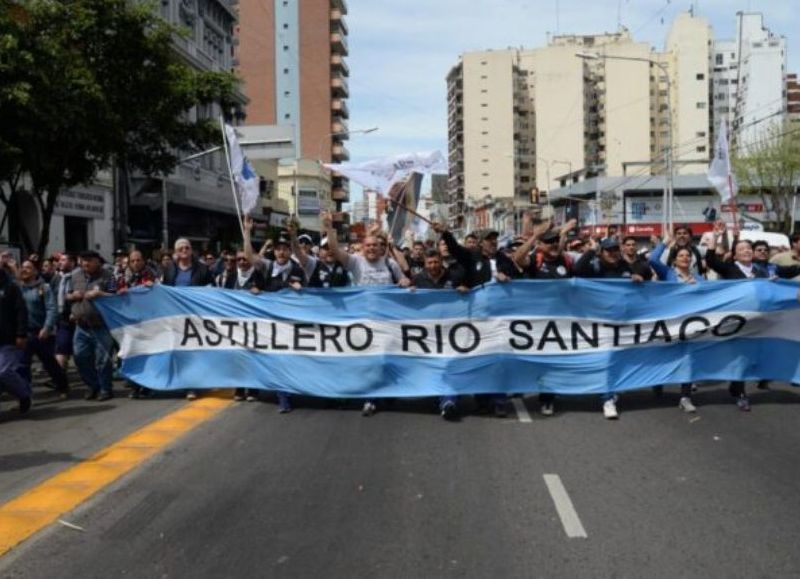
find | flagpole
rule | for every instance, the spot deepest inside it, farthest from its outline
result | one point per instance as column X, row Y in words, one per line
column 239, row 217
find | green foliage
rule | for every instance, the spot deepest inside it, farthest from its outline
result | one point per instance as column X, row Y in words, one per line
column 84, row 83
column 771, row 168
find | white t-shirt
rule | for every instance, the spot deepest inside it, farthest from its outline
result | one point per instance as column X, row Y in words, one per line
column 373, row 272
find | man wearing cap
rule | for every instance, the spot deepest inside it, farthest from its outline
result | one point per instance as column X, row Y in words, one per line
column 326, row 272
column 93, row 345
column 301, row 245
column 279, row 273
column 608, row 264
column 480, row 266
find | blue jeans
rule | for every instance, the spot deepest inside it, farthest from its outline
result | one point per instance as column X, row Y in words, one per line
column 93, row 350
column 11, row 367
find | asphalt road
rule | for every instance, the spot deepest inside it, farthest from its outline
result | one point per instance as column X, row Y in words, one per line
column 327, row 493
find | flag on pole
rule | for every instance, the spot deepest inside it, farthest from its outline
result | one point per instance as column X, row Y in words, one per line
column 244, row 175
column 719, row 172
column 380, row 174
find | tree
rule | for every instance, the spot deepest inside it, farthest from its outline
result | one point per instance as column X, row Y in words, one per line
column 770, row 168
column 91, row 83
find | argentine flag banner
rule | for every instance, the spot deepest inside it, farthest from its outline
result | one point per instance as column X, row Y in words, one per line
column 564, row 336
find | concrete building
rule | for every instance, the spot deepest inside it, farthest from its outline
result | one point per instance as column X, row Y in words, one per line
column 792, row 99
column 761, row 99
column 292, row 58
column 688, row 53
column 199, row 202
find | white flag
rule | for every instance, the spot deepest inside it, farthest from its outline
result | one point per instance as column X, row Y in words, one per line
column 719, row 172
column 244, row 175
column 380, row 174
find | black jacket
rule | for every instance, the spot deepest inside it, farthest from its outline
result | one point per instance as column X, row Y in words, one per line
column 200, row 274
column 729, row 269
column 13, row 313
column 590, row 265
column 477, row 267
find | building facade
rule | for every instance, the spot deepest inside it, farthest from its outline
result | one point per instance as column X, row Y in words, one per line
column 291, row 55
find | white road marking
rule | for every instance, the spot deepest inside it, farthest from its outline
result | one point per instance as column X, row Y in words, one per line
column 566, row 511
column 522, row 412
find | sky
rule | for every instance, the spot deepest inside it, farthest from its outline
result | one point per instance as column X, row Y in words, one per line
column 401, row 52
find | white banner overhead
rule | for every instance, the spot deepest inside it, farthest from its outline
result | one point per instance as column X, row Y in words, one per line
column 380, row 174
column 719, row 172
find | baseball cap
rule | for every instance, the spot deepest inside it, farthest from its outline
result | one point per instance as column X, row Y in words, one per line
column 551, row 235
column 609, row 243
column 490, row 233
column 305, row 238
column 283, row 238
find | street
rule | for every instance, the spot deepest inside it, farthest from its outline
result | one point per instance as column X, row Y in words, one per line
column 325, row 492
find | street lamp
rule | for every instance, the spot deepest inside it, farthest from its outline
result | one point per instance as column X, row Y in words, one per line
column 666, row 221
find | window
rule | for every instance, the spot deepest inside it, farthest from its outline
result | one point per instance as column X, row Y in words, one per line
column 484, row 174
column 285, row 47
column 701, row 149
column 525, row 179
column 701, row 105
column 484, row 90
column 718, row 59
column 286, row 93
column 701, row 76
column 484, row 77
column 285, row 71
column 484, row 132
column 484, row 105
column 700, row 134
column 287, row 116
column 722, row 81
column 483, row 62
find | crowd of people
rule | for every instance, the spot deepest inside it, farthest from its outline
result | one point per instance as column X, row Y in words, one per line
column 47, row 310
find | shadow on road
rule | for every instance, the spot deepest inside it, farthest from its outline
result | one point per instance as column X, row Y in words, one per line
column 24, row 460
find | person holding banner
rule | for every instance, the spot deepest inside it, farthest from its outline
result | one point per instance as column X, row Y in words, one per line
column 371, row 267
column 480, row 267
column 741, row 266
column 186, row 271
column 607, row 263
column 683, row 270
column 548, row 261
column 257, row 274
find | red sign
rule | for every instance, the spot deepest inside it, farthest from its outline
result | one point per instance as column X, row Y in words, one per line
column 745, row 207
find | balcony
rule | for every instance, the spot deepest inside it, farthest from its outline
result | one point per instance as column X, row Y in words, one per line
column 340, row 152
column 339, row 107
column 339, row 86
column 340, row 128
column 337, row 21
column 339, row 43
column 338, row 64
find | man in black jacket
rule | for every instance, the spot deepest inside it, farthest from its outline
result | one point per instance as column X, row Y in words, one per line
column 481, row 265
column 13, row 333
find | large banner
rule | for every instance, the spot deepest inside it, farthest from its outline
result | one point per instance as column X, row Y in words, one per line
column 567, row 336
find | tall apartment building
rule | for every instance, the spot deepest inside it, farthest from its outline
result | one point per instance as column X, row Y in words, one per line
column 606, row 105
column 792, row 99
column 749, row 76
column 292, row 57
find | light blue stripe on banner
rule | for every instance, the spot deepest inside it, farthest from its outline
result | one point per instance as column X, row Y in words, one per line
column 402, row 376
column 614, row 300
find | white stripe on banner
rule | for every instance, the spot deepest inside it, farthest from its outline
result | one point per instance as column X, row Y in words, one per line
column 445, row 338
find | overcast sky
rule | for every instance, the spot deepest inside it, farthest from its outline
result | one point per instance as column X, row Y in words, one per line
column 400, row 52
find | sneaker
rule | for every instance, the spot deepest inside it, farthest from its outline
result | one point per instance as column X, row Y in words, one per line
column 449, row 410
column 284, row 408
column 105, row 396
column 610, row 409
column 91, row 395
column 191, row 395
column 743, row 402
column 368, row 409
column 24, row 405
column 547, row 409
column 251, row 398
column 686, row 405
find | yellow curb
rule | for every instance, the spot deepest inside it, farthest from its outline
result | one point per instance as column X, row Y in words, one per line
column 30, row 512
